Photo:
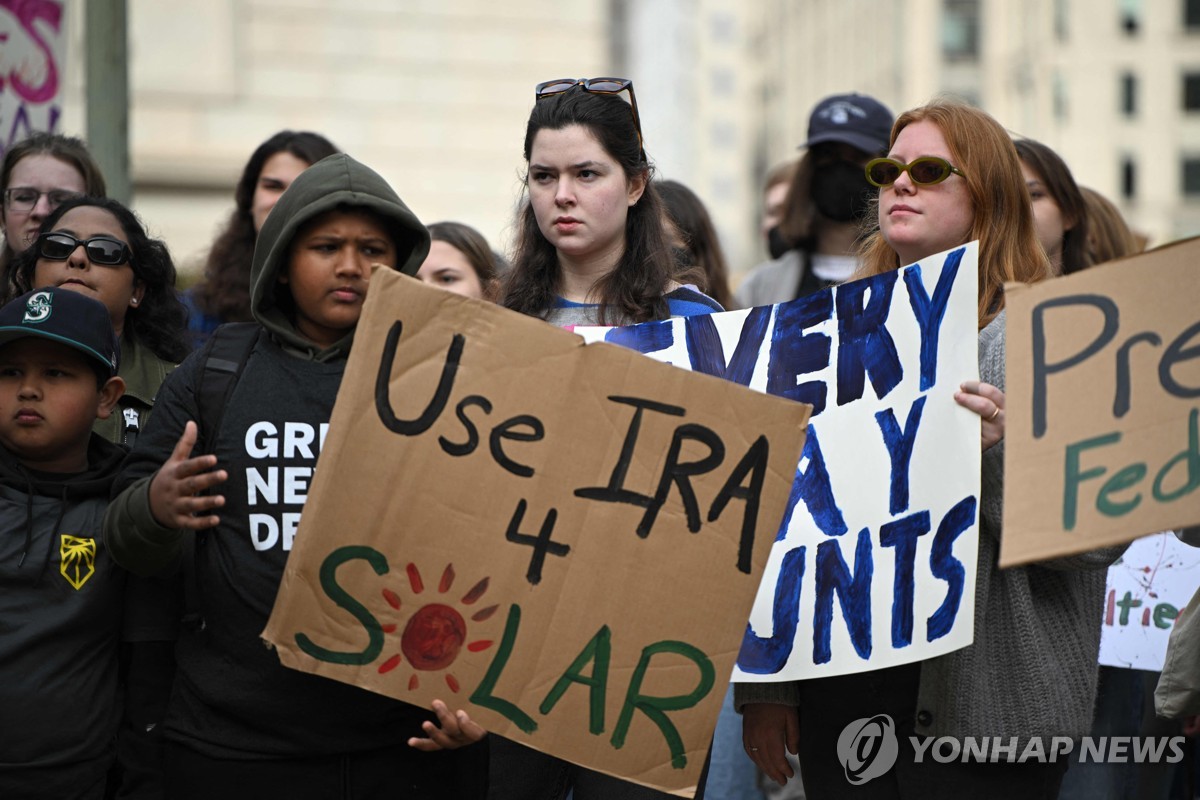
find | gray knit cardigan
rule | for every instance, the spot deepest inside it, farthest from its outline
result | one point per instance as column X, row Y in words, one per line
column 1032, row 668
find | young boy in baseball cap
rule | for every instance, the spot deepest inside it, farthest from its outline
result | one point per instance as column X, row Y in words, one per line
column 60, row 611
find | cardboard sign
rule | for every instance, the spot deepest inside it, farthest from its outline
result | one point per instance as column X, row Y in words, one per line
column 1147, row 588
column 874, row 564
column 564, row 539
column 31, row 68
column 1102, row 432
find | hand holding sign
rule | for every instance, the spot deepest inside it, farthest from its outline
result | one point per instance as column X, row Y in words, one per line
column 988, row 402
column 452, row 730
column 567, row 538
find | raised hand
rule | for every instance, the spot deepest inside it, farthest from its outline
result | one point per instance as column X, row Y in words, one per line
column 175, row 501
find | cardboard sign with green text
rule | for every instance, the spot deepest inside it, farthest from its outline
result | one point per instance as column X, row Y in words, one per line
column 563, row 539
column 1102, row 441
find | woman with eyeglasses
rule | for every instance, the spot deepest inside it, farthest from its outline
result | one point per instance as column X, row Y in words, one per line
column 952, row 176
column 40, row 173
column 591, row 249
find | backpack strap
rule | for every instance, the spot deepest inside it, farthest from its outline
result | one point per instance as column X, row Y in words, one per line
column 225, row 356
column 227, row 352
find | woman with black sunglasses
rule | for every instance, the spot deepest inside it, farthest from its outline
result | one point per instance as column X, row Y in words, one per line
column 591, row 250
column 139, row 291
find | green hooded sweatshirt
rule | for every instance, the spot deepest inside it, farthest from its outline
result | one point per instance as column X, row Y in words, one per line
column 337, row 181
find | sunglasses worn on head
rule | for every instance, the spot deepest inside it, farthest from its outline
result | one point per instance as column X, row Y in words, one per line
column 924, row 171
column 595, row 86
column 58, row 246
column 25, row 198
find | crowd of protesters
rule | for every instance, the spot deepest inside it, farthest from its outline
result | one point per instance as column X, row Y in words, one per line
column 108, row 436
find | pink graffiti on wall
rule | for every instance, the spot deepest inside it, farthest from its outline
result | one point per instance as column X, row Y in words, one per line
column 28, row 12
column 30, row 72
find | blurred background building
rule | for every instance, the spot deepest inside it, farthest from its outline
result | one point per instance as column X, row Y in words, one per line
column 435, row 93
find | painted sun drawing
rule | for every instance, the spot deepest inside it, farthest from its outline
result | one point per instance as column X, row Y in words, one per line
column 436, row 632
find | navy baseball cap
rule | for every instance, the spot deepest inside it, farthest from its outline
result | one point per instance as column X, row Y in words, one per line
column 66, row 316
column 855, row 119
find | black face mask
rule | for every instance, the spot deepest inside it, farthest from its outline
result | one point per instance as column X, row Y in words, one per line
column 841, row 191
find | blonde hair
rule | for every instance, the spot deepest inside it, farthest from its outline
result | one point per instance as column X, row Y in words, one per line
column 1002, row 214
column 1109, row 236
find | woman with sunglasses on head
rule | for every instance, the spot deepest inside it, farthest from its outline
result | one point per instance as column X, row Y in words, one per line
column 591, row 249
column 814, row 246
column 1059, row 210
column 224, row 293
column 38, row 174
column 951, row 177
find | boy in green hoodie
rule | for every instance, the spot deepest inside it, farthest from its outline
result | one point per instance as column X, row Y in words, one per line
column 239, row 724
column 60, row 610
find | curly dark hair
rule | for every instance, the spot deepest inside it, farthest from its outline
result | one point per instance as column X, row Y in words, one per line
column 635, row 289
column 158, row 322
column 225, row 290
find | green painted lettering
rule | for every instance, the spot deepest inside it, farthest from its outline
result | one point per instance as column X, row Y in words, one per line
column 1165, row 615
column 654, row 707
column 1127, row 477
column 1126, row 603
column 337, row 594
column 598, row 650
column 482, row 696
column 1074, row 477
column 1190, row 456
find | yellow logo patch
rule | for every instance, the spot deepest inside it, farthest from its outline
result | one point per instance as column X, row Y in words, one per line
column 78, row 558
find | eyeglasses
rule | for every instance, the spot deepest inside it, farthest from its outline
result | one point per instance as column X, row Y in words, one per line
column 596, row 86
column 25, row 198
column 924, row 171
column 58, row 246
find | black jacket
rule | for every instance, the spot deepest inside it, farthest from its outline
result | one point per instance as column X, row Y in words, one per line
column 60, row 621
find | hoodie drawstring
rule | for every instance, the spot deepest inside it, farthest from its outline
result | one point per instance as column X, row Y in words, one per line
column 28, row 515
column 62, row 512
